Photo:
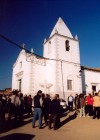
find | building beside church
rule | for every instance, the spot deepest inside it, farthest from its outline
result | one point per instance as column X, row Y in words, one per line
column 58, row 71
column 90, row 79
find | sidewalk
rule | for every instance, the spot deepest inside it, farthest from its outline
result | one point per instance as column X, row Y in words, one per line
column 72, row 128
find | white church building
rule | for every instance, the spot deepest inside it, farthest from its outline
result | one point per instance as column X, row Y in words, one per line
column 58, row 71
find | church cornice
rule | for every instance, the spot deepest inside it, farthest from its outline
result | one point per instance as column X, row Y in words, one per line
column 60, row 36
column 19, row 74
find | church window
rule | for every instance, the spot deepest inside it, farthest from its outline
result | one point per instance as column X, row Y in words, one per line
column 20, row 84
column 20, row 64
column 49, row 42
column 49, row 47
column 67, row 47
column 69, row 84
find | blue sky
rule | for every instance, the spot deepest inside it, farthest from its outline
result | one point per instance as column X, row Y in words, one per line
column 30, row 21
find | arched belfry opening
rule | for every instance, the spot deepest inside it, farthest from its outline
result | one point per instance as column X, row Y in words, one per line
column 67, row 47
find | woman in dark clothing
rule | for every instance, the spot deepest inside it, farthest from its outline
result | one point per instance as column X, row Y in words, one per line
column 54, row 111
column 46, row 102
column 29, row 105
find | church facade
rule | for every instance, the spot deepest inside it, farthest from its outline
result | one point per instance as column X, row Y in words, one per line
column 58, row 71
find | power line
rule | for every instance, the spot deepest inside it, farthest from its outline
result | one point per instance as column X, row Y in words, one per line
column 12, row 42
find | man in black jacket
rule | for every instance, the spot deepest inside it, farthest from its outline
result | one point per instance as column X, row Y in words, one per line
column 37, row 109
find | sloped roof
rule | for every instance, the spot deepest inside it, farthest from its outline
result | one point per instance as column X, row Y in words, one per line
column 61, row 28
column 6, row 91
column 91, row 69
column 21, row 52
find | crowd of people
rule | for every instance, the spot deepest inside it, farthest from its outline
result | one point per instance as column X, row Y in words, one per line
column 47, row 108
column 16, row 105
column 84, row 105
column 88, row 105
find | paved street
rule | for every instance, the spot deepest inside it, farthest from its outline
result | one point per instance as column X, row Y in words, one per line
column 72, row 128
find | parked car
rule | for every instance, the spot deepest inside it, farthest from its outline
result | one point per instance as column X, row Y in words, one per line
column 63, row 105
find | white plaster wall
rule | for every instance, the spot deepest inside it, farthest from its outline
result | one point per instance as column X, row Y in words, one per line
column 33, row 75
column 73, row 55
column 91, row 77
column 50, row 70
column 71, row 67
column 49, row 50
column 53, row 68
column 71, row 72
column 26, row 73
column 38, row 78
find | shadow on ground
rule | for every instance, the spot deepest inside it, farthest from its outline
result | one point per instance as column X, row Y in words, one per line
column 71, row 117
column 63, row 114
column 6, row 125
column 18, row 136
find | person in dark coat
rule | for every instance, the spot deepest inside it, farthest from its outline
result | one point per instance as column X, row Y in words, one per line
column 29, row 105
column 46, row 102
column 37, row 109
column 54, row 111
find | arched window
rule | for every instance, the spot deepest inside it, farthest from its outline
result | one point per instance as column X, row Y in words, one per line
column 67, row 47
column 49, row 47
column 20, row 64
